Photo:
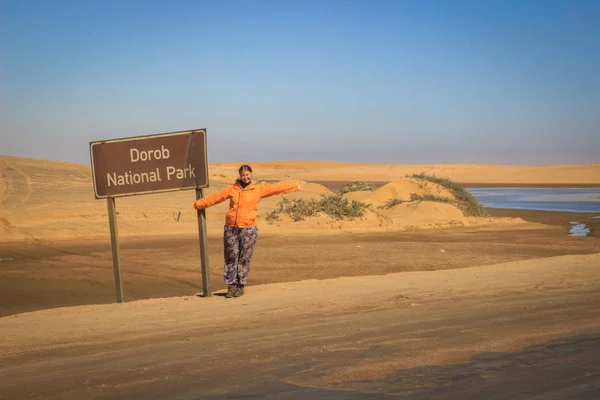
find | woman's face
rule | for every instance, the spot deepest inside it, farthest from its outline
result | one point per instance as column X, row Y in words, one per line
column 246, row 176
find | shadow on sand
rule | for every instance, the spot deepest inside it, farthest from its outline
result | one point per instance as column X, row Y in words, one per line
column 565, row 369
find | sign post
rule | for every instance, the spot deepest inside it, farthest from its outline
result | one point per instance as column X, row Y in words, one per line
column 203, row 247
column 114, row 244
column 151, row 164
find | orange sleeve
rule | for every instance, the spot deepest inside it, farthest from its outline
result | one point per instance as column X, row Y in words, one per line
column 277, row 188
column 213, row 199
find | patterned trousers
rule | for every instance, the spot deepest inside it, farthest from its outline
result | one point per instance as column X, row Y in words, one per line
column 238, row 246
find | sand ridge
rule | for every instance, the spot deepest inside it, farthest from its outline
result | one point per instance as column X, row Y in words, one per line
column 380, row 216
column 42, row 199
column 464, row 173
column 58, row 327
column 403, row 190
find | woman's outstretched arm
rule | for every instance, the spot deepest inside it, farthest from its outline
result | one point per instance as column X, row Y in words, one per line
column 213, row 199
column 279, row 188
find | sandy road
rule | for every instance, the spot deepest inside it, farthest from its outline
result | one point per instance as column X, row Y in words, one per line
column 40, row 275
column 522, row 330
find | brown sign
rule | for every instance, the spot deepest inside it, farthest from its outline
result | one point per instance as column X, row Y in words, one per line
column 149, row 164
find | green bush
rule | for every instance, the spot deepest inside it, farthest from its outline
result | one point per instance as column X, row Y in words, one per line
column 333, row 205
column 430, row 197
column 391, row 203
column 340, row 208
column 272, row 217
column 357, row 186
column 463, row 199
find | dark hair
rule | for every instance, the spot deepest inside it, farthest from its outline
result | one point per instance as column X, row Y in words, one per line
column 245, row 168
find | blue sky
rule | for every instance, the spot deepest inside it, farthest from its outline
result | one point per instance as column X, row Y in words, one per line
column 406, row 81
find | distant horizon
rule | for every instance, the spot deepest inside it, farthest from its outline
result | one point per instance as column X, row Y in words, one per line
column 245, row 161
column 500, row 82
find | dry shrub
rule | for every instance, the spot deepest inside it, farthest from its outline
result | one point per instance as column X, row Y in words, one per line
column 357, row 186
column 333, row 205
column 463, row 199
column 391, row 203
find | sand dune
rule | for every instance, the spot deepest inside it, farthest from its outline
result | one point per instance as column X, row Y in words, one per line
column 400, row 190
column 42, row 199
column 407, row 215
column 464, row 173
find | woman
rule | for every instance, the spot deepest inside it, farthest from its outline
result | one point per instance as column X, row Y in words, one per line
column 241, row 233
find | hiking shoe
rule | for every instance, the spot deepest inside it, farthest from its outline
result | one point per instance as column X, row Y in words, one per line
column 231, row 291
column 239, row 291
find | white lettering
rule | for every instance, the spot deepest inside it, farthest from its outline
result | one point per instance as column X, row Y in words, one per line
column 187, row 172
column 112, row 179
column 170, row 171
column 129, row 178
column 136, row 155
column 155, row 176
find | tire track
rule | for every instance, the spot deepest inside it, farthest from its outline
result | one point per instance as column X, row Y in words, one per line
column 6, row 183
column 17, row 189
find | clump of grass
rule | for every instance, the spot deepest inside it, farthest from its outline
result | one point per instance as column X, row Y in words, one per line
column 391, row 203
column 297, row 209
column 338, row 207
column 333, row 205
column 272, row 217
column 357, row 186
column 430, row 197
column 464, row 200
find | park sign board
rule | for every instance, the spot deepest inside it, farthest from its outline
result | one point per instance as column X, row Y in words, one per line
column 149, row 164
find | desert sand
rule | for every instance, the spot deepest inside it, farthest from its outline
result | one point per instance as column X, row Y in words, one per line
column 416, row 301
column 44, row 200
column 468, row 173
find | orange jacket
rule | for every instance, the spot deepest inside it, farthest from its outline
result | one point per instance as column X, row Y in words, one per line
column 243, row 203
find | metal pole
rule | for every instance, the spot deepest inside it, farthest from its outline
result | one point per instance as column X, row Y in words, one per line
column 206, row 292
column 114, row 241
